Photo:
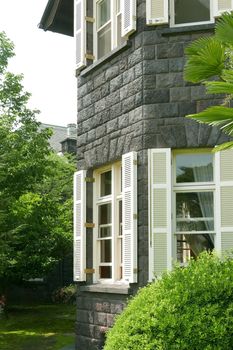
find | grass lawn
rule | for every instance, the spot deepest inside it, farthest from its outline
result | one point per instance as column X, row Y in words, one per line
column 37, row 327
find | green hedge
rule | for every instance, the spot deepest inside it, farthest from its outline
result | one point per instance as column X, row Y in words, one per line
column 190, row 308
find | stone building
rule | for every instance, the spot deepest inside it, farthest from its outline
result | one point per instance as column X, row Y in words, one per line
column 148, row 191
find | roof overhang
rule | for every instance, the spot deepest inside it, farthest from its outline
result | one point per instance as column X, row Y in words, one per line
column 58, row 17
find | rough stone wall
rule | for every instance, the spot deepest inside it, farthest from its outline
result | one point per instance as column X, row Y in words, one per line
column 96, row 313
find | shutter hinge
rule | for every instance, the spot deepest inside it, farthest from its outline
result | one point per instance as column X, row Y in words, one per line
column 135, row 162
column 134, row 18
column 89, row 271
column 135, row 216
column 89, row 225
column 135, row 270
column 90, row 19
column 89, row 56
column 89, row 179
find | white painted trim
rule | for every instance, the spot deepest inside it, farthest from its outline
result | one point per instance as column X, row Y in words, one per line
column 218, row 237
column 150, row 247
column 169, row 208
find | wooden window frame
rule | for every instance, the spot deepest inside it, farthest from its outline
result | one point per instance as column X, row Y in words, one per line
column 113, row 198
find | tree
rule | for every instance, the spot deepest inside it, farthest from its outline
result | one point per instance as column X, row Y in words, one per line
column 188, row 308
column 210, row 62
column 35, row 185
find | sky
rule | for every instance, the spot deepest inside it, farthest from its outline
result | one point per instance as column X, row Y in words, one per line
column 46, row 59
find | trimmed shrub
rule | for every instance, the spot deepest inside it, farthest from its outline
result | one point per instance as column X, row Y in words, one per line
column 190, row 308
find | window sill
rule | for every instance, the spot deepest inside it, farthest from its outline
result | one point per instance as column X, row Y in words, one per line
column 186, row 30
column 103, row 60
column 106, row 288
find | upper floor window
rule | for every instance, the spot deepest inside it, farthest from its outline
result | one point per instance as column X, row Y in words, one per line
column 101, row 26
column 108, row 26
column 185, row 12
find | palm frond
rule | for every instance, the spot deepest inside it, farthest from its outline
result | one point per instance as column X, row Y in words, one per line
column 205, row 59
column 224, row 146
column 197, row 45
column 216, row 116
column 224, row 28
column 219, row 87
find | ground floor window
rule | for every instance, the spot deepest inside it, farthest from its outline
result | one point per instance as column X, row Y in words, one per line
column 190, row 205
column 107, row 212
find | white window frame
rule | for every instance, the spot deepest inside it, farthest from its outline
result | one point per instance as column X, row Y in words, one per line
column 114, row 14
column 192, row 187
column 172, row 16
column 113, row 198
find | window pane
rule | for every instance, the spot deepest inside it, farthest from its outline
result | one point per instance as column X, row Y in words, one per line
column 105, row 272
column 190, row 246
column 103, row 12
column 105, row 215
column 194, row 211
column 194, row 167
column 104, row 41
column 106, row 184
column 106, row 250
column 105, row 231
column 191, row 11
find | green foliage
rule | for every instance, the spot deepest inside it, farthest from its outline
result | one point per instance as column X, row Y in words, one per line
column 210, row 61
column 205, row 59
column 35, row 185
column 189, row 308
column 65, row 295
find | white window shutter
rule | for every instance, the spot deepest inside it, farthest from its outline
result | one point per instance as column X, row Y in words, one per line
column 226, row 200
column 79, row 225
column 156, row 12
column 80, row 33
column 221, row 6
column 128, row 17
column 160, row 236
column 129, row 208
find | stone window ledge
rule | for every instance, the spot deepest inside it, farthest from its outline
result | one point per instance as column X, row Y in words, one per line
column 106, row 288
column 104, row 59
column 187, row 30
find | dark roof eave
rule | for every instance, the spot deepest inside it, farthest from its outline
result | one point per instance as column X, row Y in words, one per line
column 58, row 17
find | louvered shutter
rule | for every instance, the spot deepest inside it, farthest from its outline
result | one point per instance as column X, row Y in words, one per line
column 159, row 211
column 221, row 6
column 226, row 199
column 156, row 12
column 129, row 208
column 128, row 17
column 80, row 33
column 79, row 227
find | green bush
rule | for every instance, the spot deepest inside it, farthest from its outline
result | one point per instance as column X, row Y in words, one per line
column 190, row 308
column 65, row 295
